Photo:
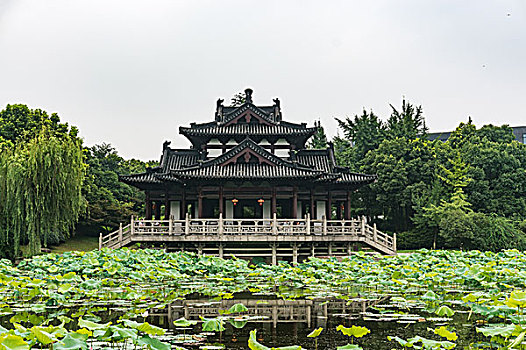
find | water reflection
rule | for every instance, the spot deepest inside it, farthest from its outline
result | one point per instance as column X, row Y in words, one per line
column 311, row 313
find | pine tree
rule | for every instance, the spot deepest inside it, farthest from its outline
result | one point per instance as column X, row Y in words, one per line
column 319, row 139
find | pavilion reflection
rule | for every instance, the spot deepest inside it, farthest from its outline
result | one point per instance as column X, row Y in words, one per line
column 311, row 313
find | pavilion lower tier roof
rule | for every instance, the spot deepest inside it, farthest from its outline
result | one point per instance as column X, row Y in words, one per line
column 248, row 172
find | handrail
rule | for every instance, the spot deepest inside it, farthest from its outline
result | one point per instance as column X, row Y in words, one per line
column 356, row 228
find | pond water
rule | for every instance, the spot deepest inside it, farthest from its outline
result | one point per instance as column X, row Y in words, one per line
column 288, row 322
column 281, row 322
column 160, row 301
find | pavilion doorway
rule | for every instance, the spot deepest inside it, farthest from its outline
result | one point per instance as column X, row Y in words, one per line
column 248, row 209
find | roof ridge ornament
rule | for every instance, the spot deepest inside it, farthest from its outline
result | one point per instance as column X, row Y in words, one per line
column 277, row 110
column 219, row 110
column 248, row 95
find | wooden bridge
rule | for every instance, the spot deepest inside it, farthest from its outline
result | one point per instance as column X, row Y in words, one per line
column 293, row 239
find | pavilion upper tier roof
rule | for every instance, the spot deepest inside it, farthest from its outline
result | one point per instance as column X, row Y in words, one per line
column 248, row 120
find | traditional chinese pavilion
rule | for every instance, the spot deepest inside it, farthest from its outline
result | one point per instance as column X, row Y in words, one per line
column 248, row 163
column 248, row 186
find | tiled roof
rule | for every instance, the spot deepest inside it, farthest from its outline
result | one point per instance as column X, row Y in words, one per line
column 356, row 178
column 246, row 171
column 178, row 159
column 142, row 178
column 215, row 129
column 261, row 112
column 317, row 159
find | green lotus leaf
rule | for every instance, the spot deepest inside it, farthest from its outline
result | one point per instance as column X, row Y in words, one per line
column 92, row 325
column 349, row 347
column 445, row 333
column 517, row 299
column 237, row 308
column 238, row 323
column 354, row 331
column 444, row 311
column 497, row 330
column 12, row 342
column 153, row 343
column 213, row 324
column 183, row 322
column 144, row 327
column 517, row 341
column 42, row 336
column 315, row 333
column 71, row 341
column 253, row 344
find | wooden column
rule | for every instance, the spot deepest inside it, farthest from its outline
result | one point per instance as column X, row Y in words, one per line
column 294, row 254
column 221, row 200
column 166, row 207
column 312, row 213
column 200, row 203
column 295, row 202
column 158, row 210
column 328, row 207
column 273, row 204
column 148, row 204
column 221, row 250
column 348, row 206
column 183, row 204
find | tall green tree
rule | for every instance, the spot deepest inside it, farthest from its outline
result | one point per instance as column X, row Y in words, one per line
column 319, row 139
column 40, row 192
column 361, row 134
column 110, row 201
column 20, row 123
column 409, row 122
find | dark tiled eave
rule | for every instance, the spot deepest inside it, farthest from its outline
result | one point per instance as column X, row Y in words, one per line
column 246, row 171
column 247, row 130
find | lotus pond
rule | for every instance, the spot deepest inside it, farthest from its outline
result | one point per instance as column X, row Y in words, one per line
column 149, row 299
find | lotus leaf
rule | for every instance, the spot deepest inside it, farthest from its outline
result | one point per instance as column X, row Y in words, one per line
column 72, row 341
column 12, row 342
column 315, row 333
column 354, row 331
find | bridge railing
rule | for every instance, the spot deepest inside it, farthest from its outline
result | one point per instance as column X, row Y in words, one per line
column 357, row 228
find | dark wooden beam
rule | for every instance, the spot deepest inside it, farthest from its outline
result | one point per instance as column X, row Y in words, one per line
column 200, row 203
column 295, row 202
column 221, row 199
column 166, row 207
column 348, row 206
column 148, row 204
column 158, row 210
column 183, row 204
column 312, row 215
column 328, row 207
column 273, row 204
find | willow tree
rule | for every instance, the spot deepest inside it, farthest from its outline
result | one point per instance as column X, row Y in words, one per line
column 40, row 192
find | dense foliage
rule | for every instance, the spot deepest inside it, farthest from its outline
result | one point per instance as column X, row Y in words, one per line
column 319, row 139
column 110, row 201
column 468, row 192
column 102, row 298
column 41, row 176
column 48, row 180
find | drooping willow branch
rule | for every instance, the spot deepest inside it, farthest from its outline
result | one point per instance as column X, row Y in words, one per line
column 40, row 192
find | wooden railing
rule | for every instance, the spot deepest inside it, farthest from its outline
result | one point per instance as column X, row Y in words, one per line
column 356, row 229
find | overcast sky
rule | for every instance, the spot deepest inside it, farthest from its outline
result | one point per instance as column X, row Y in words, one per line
column 131, row 72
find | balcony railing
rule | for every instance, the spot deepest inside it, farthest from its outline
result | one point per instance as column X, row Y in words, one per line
column 355, row 229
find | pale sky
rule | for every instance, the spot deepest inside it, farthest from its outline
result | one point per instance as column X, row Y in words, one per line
column 130, row 72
